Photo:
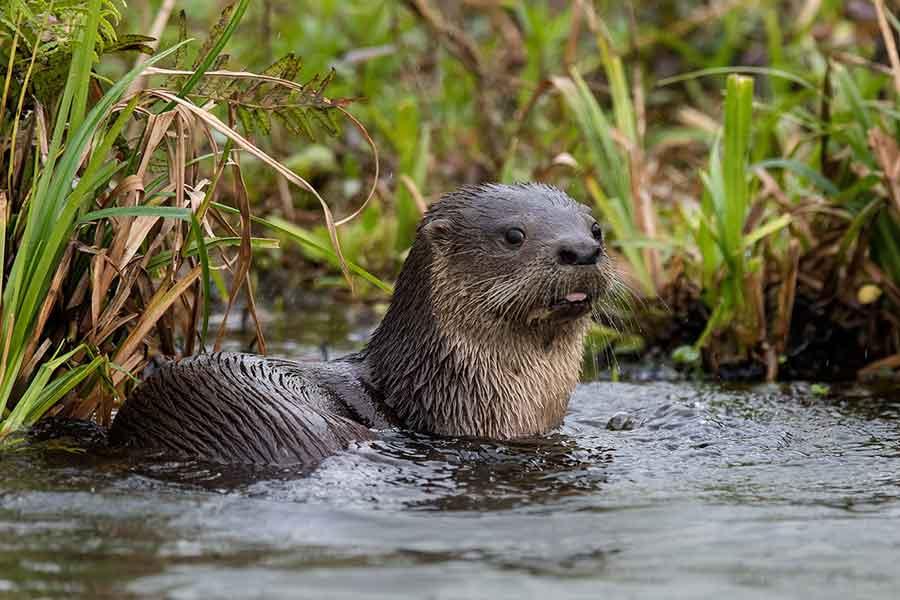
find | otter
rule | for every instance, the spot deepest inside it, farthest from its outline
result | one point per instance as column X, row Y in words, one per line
column 483, row 338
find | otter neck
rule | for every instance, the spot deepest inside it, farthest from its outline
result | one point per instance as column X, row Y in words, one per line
column 445, row 368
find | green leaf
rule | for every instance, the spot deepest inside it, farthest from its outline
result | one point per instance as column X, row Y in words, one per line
column 41, row 393
column 735, row 70
column 738, row 115
column 802, row 170
column 766, row 230
column 82, row 61
column 166, row 212
column 180, row 60
column 205, row 278
column 296, row 234
column 211, row 242
column 131, row 41
column 820, row 389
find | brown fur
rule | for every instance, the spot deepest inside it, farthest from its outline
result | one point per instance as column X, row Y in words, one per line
column 468, row 347
column 477, row 342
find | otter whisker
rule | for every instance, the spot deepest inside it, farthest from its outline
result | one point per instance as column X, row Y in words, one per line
column 608, row 348
column 624, row 300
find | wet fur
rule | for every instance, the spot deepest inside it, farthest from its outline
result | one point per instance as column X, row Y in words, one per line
column 468, row 347
column 472, row 358
column 241, row 408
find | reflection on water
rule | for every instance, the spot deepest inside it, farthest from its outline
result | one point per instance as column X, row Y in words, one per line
column 765, row 491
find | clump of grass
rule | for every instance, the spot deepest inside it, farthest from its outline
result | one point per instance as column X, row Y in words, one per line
column 41, row 225
column 615, row 167
column 111, row 236
column 730, row 269
column 793, row 231
column 803, row 241
column 765, row 219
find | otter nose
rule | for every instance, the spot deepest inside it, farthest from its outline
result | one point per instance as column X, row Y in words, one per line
column 586, row 252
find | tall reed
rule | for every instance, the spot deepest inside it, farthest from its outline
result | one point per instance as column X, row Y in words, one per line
column 112, row 232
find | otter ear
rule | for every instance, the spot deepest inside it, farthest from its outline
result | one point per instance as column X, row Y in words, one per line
column 437, row 230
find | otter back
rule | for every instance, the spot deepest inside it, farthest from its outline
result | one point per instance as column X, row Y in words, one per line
column 237, row 408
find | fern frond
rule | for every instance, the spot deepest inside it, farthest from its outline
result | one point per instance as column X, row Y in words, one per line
column 46, row 28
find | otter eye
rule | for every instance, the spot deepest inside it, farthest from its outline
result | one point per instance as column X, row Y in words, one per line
column 597, row 231
column 515, row 236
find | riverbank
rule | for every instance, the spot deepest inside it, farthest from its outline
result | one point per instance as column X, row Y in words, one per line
column 741, row 158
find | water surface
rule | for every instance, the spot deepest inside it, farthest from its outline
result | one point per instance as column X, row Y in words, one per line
column 718, row 491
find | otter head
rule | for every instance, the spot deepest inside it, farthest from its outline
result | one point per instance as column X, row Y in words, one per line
column 484, row 335
column 525, row 258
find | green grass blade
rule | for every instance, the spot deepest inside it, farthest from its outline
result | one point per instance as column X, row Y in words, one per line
column 41, row 393
column 256, row 243
column 706, row 238
column 738, row 115
column 766, row 230
column 82, row 63
column 886, row 244
column 296, row 234
column 166, row 212
column 204, row 278
column 798, row 168
column 623, row 109
column 57, row 389
column 738, row 70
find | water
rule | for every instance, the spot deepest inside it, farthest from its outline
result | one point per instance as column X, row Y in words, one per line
column 737, row 492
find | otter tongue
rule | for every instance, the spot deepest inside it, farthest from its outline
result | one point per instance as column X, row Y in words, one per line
column 576, row 297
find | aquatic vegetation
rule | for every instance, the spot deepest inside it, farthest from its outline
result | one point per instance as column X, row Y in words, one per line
column 111, row 238
column 740, row 156
column 743, row 158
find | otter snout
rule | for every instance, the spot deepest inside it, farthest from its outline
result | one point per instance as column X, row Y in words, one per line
column 573, row 252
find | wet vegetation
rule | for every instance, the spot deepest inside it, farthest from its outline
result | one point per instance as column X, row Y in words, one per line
column 743, row 157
